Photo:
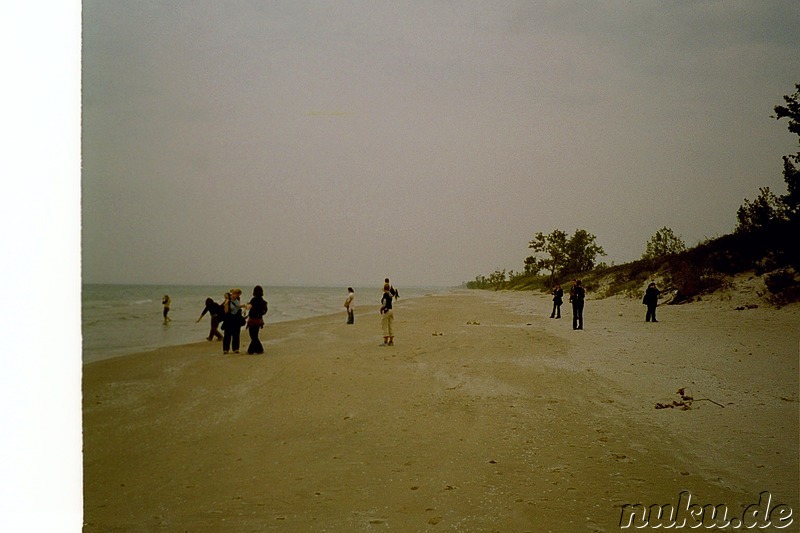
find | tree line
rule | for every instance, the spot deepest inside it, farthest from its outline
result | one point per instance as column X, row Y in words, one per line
column 558, row 255
column 764, row 239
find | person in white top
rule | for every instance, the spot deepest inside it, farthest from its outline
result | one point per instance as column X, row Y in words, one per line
column 348, row 304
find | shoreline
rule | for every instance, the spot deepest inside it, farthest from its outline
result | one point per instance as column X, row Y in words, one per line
column 360, row 310
column 485, row 415
column 117, row 324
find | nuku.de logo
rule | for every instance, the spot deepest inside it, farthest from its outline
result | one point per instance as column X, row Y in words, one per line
column 759, row 515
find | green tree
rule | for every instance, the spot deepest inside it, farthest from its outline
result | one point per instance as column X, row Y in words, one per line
column 497, row 278
column 791, row 174
column 553, row 248
column 768, row 208
column 582, row 252
column 532, row 265
column 662, row 244
column 761, row 212
column 559, row 253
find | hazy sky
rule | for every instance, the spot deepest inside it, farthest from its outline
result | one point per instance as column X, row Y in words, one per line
column 336, row 143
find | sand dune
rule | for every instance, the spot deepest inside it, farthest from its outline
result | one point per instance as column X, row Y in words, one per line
column 485, row 416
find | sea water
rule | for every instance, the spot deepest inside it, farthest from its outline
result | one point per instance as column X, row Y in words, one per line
column 124, row 319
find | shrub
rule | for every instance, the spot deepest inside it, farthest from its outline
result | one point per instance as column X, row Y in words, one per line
column 693, row 280
column 784, row 286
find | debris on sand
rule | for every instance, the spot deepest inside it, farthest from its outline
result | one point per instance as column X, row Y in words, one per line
column 685, row 403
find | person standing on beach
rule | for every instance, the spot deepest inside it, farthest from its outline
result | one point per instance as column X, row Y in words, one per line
column 216, row 313
column 165, row 301
column 348, row 304
column 651, row 301
column 387, row 315
column 233, row 321
column 395, row 293
column 558, row 299
column 257, row 308
column 576, row 298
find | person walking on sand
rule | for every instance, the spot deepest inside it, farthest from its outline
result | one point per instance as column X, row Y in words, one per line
column 576, row 298
column 257, row 308
column 651, row 301
column 558, row 299
column 387, row 316
column 165, row 301
column 233, row 321
column 216, row 312
column 348, row 304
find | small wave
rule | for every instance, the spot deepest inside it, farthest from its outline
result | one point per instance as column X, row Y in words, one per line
column 94, row 305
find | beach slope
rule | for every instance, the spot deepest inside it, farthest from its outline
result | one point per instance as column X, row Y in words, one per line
column 485, row 416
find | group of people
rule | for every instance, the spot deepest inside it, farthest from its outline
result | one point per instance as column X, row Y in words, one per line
column 231, row 315
column 387, row 314
column 577, row 296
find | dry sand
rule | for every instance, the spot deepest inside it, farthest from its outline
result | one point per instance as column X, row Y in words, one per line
column 485, row 416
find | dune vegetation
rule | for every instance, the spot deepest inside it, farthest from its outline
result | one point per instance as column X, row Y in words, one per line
column 764, row 245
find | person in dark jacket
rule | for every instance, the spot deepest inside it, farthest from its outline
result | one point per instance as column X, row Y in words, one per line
column 558, row 299
column 387, row 315
column 256, row 309
column 394, row 292
column 216, row 313
column 576, row 298
column 651, row 301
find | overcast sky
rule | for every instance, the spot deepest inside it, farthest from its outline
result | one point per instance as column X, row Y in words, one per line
column 337, row 143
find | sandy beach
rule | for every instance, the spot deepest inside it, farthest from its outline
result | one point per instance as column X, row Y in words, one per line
column 486, row 416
